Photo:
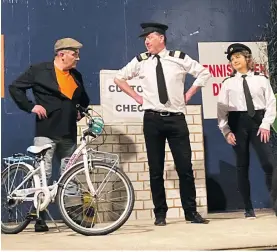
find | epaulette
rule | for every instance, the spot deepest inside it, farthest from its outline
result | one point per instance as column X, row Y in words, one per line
column 143, row 56
column 261, row 74
column 177, row 54
column 232, row 75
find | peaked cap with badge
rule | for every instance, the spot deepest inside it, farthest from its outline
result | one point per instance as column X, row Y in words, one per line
column 152, row 27
column 236, row 47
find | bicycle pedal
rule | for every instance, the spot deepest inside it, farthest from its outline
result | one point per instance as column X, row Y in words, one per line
column 31, row 216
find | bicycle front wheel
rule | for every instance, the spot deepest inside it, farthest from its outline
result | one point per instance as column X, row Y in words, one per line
column 98, row 214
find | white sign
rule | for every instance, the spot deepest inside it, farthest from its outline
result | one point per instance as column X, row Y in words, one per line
column 212, row 56
column 117, row 106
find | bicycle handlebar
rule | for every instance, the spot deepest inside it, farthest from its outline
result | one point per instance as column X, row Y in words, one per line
column 85, row 111
column 82, row 109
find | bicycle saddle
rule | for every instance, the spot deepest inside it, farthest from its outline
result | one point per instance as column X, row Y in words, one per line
column 36, row 150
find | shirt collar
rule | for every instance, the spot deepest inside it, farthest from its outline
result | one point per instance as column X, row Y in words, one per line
column 249, row 73
column 162, row 53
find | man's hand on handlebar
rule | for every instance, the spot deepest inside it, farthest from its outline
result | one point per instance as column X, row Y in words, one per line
column 79, row 116
column 82, row 111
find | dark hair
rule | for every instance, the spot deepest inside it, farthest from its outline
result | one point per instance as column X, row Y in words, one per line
column 165, row 39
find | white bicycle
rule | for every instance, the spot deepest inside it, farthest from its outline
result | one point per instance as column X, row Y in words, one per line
column 93, row 195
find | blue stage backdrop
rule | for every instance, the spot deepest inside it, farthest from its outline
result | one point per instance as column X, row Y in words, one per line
column 109, row 31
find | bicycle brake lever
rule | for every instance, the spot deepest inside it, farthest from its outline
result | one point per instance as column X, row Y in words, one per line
column 82, row 109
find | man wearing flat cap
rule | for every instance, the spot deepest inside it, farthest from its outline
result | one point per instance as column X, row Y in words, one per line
column 57, row 88
column 162, row 73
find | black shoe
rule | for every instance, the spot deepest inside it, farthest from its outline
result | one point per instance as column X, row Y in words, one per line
column 195, row 217
column 250, row 214
column 275, row 208
column 41, row 226
column 160, row 221
column 33, row 214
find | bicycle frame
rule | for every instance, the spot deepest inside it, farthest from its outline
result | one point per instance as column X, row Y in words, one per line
column 41, row 184
column 50, row 192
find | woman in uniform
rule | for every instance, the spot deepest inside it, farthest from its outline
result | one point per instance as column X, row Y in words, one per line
column 246, row 109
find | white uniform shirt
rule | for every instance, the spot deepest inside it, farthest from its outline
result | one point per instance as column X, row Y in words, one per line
column 232, row 98
column 175, row 69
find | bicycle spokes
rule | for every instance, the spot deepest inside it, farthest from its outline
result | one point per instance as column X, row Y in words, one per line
column 96, row 211
column 14, row 211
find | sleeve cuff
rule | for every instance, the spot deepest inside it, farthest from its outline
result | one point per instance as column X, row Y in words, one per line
column 225, row 131
column 120, row 76
column 30, row 107
column 197, row 83
column 265, row 126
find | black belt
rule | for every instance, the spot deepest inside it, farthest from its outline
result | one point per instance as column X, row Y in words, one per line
column 163, row 113
column 258, row 117
column 258, row 111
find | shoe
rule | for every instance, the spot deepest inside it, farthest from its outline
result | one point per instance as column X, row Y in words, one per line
column 41, row 226
column 160, row 221
column 275, row 208
column 250, row 214
column 195, row 217
column 33, row 214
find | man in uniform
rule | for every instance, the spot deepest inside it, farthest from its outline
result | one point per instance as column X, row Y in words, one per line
column 163, row 75
column 57, row 88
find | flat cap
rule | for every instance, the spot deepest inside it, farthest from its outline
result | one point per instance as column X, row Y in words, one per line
column 67, row 44
column 236, row 47
column 152, row 27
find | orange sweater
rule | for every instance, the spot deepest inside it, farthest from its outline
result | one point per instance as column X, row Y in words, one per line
column 67, row 84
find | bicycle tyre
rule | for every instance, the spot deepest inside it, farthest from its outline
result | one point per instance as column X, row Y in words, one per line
column 87, row 232
column 25, row 223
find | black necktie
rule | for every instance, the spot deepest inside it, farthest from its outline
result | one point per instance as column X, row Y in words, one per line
column 161, row 82
column 248, row 98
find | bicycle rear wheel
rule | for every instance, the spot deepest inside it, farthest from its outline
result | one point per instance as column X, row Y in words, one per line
column 95, row 215
column 14, row 212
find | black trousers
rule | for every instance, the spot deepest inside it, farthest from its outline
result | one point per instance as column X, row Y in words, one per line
column 274, row 189
column 245, row 130
column 174, row 128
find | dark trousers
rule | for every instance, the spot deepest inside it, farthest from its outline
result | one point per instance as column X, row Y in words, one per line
column 274, row 190
column 245, row 130
column 174, row 128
